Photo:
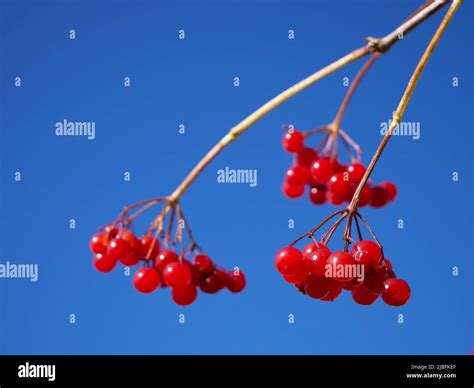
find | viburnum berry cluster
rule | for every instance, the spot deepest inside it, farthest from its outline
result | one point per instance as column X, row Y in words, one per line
column 159, row 264
column 327, row 179
column 363, row 270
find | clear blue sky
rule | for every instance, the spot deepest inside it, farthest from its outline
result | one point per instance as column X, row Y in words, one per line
column 190, row 82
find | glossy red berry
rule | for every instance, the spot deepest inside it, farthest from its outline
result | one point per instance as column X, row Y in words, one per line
column 292, row 191
column 204, row 264
column 396, row 292
column 296, row 278
column 341, row 266
column 363, row 296
column 235, row 281
column 339, row 186
column 312, row 246
column 118, row 248
column 365, row 196
column 355, row 172
column 353, row 284
column 366, row 252
column 293, row 141
column 211, row 284
column 379, row 197
column 306, row 157
column 111, row 231
column 297, row 176
column 149, row 247
column 184, row 296
column 98, row 243
column 317, row 261
column 146, row 280
column 289, row 261
column 103, row 263
column 165, row 257
column 323, row 169
column 177, row 274
column 317, row 288
column 391, row 190
column 334, row 291
column 334, row 199
column 374, row 279
column 317, row 194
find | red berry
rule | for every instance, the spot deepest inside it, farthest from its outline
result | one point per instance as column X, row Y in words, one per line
column 195, row 274
column 374, row 279
column 103, row 262
column 396, row 292
column 211, row 284
column 363, row 296
column 388, row 263
column 323, row 169
column 164, row 258
column 341, row 266
column 379, row 197
column 365, row 196
column 292, row 191
column 131, row 259
column 306, row 157
column 391, row 190
column 371, row 257
column 118, row 248
column 317, row 194
column 355, row 171
column 312, row 246
column 98, row 242
column 177, row 274
column 289, row 261
column 317, row 288
column 339, row 186
column 149, row 244
column 235, row 281
column 353, row 284
column 296, row 278
column 366, row 259
column 297, row 176
column 184, row 296
column 124, row 247
column 334, row 199
column 111, row 231
column 204, row 264
column 318, row 260
column 333, row 293
column 146, row 280
column 293, row 141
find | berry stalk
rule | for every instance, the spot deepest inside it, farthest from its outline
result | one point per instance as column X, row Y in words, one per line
column 400, row 111
column 373, row 45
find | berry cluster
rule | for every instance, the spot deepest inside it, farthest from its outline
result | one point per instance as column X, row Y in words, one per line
column 329, row 180
column 322, row 274
column 161, row 267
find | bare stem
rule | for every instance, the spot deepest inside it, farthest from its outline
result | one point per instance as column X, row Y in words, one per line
column 400, row 111
column 350, row 92
column 373, row 45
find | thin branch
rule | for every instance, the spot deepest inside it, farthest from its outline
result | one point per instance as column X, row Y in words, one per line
column 350, row 92
column 373, row 45
column 400, row 111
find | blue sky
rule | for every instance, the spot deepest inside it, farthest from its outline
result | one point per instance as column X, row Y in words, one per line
column 191, row 82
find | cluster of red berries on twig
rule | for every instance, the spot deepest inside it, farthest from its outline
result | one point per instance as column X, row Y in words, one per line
column 322, row 274
column 327, row 179
column 161, row 266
